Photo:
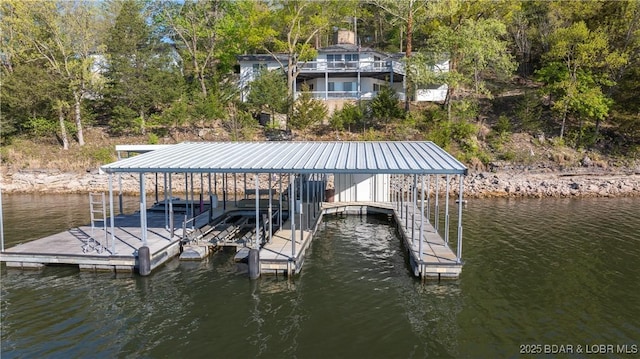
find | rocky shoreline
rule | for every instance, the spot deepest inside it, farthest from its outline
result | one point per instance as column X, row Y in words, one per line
column 504, row 183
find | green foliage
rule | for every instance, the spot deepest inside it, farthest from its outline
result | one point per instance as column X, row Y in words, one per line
column 349, row 115
column 384, row 107
column 372, row 135
column 268, row 92
column 152, row 138
column 101, row 155
column 502, row 126
column 465, row 110
column 529, row 112
column 123, row 120
column 41, row 127
column 240, row 124
column 307, row 111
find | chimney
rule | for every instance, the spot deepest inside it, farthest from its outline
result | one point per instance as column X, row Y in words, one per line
column 345, row 37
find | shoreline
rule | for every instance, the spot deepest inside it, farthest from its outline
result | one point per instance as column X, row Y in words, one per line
column 566, row 183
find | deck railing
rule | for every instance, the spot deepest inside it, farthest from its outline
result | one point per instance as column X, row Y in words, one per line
column 352, row 66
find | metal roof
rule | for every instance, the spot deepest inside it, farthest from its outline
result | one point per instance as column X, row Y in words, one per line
column 390, row 157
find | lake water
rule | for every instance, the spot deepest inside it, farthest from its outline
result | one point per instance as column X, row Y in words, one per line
column 537, row 272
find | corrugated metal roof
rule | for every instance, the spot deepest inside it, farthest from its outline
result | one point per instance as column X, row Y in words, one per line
column 295, row 157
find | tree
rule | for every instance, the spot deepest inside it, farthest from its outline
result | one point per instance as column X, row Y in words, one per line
column 575, row 53
column 62, row 33
column 307, row 111
column 194, row 28
column 406, row 11
column 299, row 21
column 142, row 70
column 384, row 107
column 268, row 92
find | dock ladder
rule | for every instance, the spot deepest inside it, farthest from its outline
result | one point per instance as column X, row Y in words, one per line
column 98, row 211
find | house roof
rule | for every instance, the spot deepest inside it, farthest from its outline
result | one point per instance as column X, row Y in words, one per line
column 262, row 57
column 389, row 157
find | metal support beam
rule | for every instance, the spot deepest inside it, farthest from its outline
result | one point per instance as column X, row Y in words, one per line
column 292, row 214
column 460, row 204
column 256, row 245
column 436, row 220
column 1, row 224
column 300, row 209
column 270, row 210
column 111, row 214
column 171, row 220
column 446, row 213
column 415, row 209
column 420, row 245
column 143, row 209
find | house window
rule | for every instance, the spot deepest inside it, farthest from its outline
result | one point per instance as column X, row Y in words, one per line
column 349, row 86
column 335, row 61
column 258, row 67
column 334, row 57
column 332, row 86
column 376, row 87
column 351, row 60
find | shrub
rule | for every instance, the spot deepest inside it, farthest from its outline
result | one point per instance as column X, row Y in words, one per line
column 384, row 107
column 307, row 111
column 350, row 114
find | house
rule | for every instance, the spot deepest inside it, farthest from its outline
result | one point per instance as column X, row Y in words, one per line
column 343, row 72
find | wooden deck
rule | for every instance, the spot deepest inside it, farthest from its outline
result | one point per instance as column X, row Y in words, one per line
column 77, row 246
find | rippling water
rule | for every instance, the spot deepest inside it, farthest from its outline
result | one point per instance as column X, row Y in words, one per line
column 536, row 272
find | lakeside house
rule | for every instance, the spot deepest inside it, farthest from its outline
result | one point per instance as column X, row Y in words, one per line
column 344, row 72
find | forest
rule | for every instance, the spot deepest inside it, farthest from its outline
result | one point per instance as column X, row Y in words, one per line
column 564, row 71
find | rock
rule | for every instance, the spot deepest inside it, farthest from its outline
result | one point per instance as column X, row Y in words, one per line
column 586, row 161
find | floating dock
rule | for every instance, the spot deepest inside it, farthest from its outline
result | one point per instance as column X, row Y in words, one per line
column 78, row 246
column 402, row 179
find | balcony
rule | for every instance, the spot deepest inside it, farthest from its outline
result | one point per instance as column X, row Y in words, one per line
column 352, row 66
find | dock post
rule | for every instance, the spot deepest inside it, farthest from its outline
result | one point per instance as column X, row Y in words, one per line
column 307, row 216
column 270, row 210
column 171, row 220
column 120, row 193
column 459, row 252
column 421, row 219
column 436, row 219
column 193, row 211
column 235, row 189
column 292, row 214
column 144, row 261
column 413, row 215
column 301, row 202
column 143, row 209
column 254, row 263
column 280, row 202
column 401, row 201
column 429, row 198
column 113, row 240
column 1, row 225
column 446, row 214
column 256, row 245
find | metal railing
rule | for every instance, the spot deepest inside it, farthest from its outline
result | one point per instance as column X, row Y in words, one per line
column 351, row 66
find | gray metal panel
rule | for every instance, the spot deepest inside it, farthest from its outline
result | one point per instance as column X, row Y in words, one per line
column 294, row 157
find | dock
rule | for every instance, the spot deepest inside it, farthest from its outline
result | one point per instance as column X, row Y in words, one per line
column 289, row 181
column 78, row 246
